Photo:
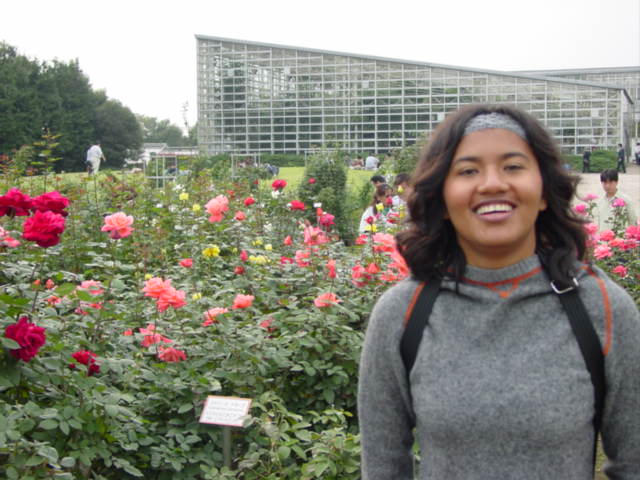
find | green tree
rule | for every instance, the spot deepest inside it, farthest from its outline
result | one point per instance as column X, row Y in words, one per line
column 163, row 131
column 118, row 131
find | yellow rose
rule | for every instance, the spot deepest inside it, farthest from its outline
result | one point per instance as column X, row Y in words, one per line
column 400, row 189
column 196, row 296
column 148, row 276
column 257, row 242
column 259, row 259
column 195, row 207
column 379, row 207
column 184, row 196
column 268, row 247
column 213, row 251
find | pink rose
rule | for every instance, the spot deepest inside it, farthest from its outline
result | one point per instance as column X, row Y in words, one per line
column 606, row 235
column 28, row 335
column 326, row 220
column 314, row 236
column 602, row 251
column 94, row 287
column 242, row 301
column 240, row 216
column 581, row 208
column 44, row 228
column 589, row 197
column 216, row 208
column 119, row 224
column 620, row 270
column 331, row 266
column 312, row 181
column 618, row 202
column 288, row 240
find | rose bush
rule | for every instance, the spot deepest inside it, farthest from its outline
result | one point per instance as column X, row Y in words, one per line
column 272, row 307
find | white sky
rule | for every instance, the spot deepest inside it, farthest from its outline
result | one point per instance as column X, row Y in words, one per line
column 143, row 53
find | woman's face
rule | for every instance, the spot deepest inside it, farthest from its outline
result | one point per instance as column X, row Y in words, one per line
column 492, row 195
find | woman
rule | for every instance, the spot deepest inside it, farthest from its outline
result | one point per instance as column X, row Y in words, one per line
column 376, row 212
column 499, row 387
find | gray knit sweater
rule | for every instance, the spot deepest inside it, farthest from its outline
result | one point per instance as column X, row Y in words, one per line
column 499, row 389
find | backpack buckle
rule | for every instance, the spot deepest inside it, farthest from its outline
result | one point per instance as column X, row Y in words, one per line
column 564, row 290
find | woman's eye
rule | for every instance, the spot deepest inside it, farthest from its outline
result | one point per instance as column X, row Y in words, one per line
column 467, row 171
column 514, row 167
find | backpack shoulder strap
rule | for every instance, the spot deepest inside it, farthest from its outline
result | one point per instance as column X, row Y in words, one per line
column 590, row 347
column 416, row 319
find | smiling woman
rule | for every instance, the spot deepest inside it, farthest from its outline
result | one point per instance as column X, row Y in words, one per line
column 499, row 383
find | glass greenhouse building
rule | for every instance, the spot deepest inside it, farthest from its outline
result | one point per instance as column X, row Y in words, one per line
column 263, row 98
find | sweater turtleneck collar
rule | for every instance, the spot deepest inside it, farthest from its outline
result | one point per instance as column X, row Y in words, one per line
column 487, row 275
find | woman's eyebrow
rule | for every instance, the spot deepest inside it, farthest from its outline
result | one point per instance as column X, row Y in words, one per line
column 476, row 159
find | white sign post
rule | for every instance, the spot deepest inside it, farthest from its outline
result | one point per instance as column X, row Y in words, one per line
column 227, row 412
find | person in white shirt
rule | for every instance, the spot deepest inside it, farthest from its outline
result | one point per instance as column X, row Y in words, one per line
column 375, row 214
column 607, row 204
column 371, row 163
column 94, row 156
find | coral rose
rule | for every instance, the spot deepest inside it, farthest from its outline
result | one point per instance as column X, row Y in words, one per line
column 242, row 301
column 326, row 300
column 240, row 216
column 94, row 287
column 44, row 228
column 170, row 354
column 119, row 224
column 211, row 314
column 186, row 262
column 28, row 335
column 154, row 287
column 15, row 203
column 171, row 298
column 288, row 240
column 621, row 270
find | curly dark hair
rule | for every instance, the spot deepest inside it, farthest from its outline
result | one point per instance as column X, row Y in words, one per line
column 429, row 244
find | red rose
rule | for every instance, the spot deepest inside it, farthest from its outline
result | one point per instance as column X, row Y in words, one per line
column 29, row 336
column 279, row 184
column 239, row 270
column 312, row 181
column 85, row 357
column 51, row 202
column 186, row 262
column 249, row 201
column 14, row 202
column 44, row 228
column 297, row 205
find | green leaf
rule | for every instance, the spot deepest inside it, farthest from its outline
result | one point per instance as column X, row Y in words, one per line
column 185, row 408
column 48, row 452
column 68, row 462
column 64, row 289
column 34, row 460
column 284, row 452
column 10, row 343
column 48, row 424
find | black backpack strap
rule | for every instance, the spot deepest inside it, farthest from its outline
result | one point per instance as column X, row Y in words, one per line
column 416, row 319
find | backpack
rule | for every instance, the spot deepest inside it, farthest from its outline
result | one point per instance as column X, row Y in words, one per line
column 419, row 310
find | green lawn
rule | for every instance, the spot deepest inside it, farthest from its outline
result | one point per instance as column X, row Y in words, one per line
column 355, row 178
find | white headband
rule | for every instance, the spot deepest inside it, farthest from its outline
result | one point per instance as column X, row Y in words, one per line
column 494, row 120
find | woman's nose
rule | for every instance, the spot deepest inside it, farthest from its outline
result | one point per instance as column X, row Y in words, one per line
column 492, row 180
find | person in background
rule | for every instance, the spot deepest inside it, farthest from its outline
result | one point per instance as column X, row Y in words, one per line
column 377, row 180
column 371, row 163
column 499, row 387
column 94, row 156
column 611, row 201
column 358, row 163
column 401, row 184
column 586, row 159
column 377, row 211
column 621, row 167
column 637, row 153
